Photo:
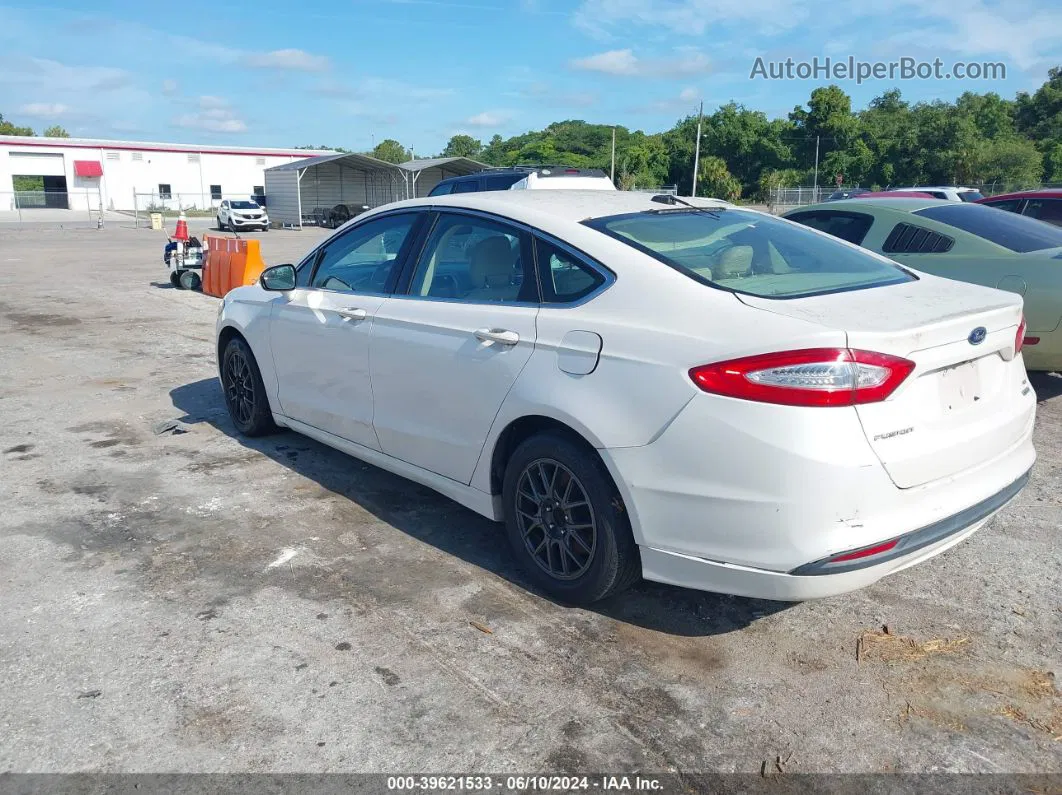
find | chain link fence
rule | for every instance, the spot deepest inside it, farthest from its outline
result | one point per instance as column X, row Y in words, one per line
column 75, row 209
column 193, row 205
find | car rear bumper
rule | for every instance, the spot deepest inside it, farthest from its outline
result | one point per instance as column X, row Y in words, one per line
column 742, row 499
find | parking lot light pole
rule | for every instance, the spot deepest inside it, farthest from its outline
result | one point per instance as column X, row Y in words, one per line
column 697, row 150
column 815, row 192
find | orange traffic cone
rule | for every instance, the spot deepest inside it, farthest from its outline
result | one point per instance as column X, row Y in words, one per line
column 182, row 228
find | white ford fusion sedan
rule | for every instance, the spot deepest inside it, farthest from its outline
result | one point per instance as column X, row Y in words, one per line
column 643, row 386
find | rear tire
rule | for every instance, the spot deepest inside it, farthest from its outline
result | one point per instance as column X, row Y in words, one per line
column 175, row 279
column 566, row 521
column 245, row 395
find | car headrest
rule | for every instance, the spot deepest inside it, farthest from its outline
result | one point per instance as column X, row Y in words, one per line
column 491, row 263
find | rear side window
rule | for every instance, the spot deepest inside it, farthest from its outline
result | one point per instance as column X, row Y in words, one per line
column 1015, row 232
column 852, row 227
column 476, row 260
column 1049, row 210
column 911, row 239
column 565, row 277
column 501, row 181
column 1010, row 205
column 750, row 253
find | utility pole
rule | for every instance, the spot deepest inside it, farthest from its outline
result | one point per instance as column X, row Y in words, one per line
column 697, row 150
column 613, row 176
column 815, row 196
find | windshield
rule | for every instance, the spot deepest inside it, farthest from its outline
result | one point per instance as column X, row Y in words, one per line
column 750, row 253
column 1015, row 232
column 244, row 206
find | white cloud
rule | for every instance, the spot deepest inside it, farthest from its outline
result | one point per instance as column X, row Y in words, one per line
column 215, row 114
column 170, row 87
column 59, row 76
column 624, row 63
column 689, row 94
column 689, row 17
column 44, row 110
column 290, row 59
column 489, row 118
column 613, row 62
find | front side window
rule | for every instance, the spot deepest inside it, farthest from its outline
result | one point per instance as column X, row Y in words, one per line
column 565, row 277
column 474, row 259
column 750, row 253
column 1015, row 232
column 441, row 190
column 852, row 227
column 468, row 186
column 364, row 259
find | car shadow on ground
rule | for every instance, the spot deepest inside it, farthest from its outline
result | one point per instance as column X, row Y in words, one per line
column 429, row 517
column 1047, row 385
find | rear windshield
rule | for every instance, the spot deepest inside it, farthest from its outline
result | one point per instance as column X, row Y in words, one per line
column 1015, row 232
column 750, row 253
column 970, row 195
column 244, row 206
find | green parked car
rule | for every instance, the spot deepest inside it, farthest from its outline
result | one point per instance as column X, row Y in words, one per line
column 968, row 242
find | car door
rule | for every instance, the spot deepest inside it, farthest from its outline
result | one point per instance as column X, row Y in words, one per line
column 223, row 211
column 448, row 346
column 319, row 332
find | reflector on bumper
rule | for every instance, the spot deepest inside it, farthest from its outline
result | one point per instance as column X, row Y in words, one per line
column 897, row 547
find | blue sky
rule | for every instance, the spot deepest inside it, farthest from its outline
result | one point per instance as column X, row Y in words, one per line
column 351, row 72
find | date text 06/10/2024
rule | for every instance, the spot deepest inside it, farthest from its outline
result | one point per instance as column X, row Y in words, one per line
column 543, row 783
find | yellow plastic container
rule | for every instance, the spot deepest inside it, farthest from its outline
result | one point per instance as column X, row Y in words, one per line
column 156, row 221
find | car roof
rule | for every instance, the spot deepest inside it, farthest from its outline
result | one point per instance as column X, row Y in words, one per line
column 936, row 187
column 558, row 205
column 905, row 204
column 1040, row 193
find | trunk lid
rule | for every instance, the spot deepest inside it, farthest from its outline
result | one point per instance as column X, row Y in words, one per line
column 963, row 403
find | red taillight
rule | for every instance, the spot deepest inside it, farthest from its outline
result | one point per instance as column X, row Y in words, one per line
column 1019, row 338
column 809, row 377
column 865, row 552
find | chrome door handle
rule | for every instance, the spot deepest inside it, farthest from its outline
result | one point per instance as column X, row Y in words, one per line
column 352, row 313
column 498, row 335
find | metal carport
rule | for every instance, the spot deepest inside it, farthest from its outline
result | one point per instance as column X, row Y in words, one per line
column 423, row 175
column 294, row 190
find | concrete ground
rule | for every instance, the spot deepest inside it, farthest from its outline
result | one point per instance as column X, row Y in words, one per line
column 203, row 602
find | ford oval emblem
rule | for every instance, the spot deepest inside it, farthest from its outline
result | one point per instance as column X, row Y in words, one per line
column 977, row 336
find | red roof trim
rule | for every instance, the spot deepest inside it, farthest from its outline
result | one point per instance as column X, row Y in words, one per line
column 1047, row 193
column 88, row 168
column 190, row 150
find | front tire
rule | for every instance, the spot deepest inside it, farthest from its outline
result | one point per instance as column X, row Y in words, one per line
column 175, row 279
column 566, row 521
column 245, row 395
column 189, row 280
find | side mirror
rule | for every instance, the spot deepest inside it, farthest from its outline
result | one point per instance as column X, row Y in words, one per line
column 279, row 278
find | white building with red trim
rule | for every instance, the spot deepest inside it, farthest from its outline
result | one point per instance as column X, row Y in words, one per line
column 175, row 175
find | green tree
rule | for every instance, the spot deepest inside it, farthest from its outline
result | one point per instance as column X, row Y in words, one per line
column 391, row 151
column 462, row 146
column 716, row 181
column 55, row 131
column 7, row 128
